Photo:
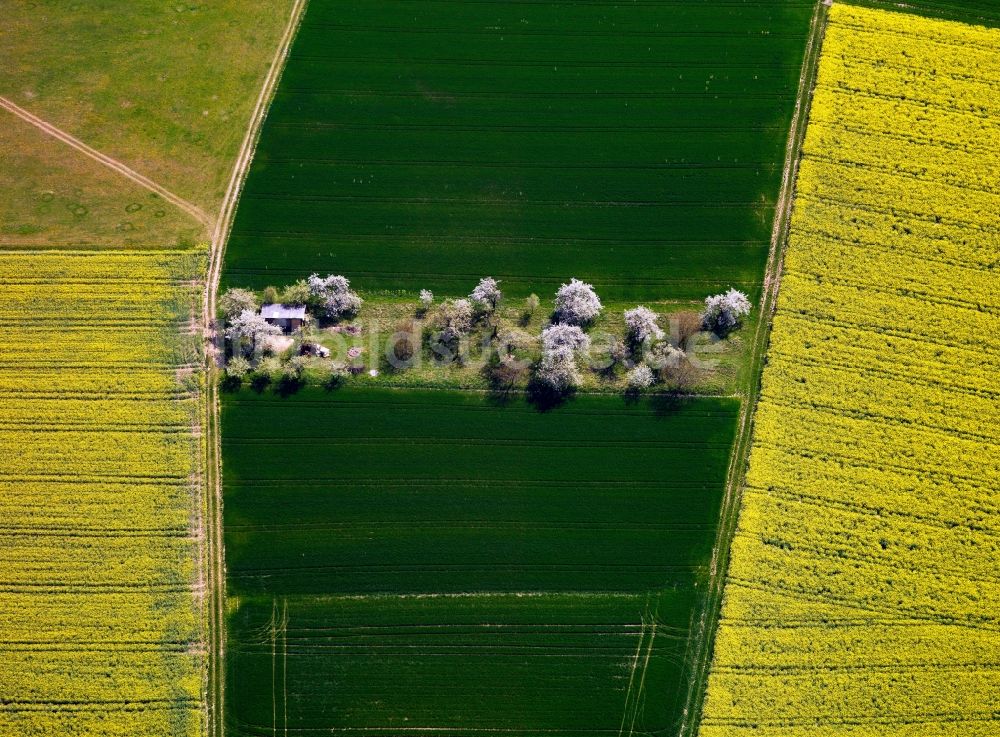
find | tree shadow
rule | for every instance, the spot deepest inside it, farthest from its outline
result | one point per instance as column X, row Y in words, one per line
column 665, row 404
column 286, row 386
column 260, row 382
column 503, row 381
column 544, row 398
column 231, row 384
column 502, row 396
column 333, row 382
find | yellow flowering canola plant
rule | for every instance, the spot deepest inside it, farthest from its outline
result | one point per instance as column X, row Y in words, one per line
column 863, row 596
column 100, row 625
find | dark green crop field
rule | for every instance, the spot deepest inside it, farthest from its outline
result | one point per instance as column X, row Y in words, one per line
column 425, row 143
column 426, row 559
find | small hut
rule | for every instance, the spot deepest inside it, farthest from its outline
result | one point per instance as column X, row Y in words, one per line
column 288, row 318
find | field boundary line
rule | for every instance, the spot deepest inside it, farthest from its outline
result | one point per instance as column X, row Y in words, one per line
column 214, row 549
column 117, row 166
column 708, row 622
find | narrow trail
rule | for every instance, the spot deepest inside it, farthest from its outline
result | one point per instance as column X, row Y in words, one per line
column 191, row 209
column 707, row 623
column 214, row 551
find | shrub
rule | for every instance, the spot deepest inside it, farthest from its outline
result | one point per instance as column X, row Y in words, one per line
column 723, row 311
column 236, row 301
column 270, row 367
column 297, row 294
column 270, row 295
column 454, row 319
column 237, row 368
column 403, row 344
column 295, row 366
column 531, row 304
column 335, row 377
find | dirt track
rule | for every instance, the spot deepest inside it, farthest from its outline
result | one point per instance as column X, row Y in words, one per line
column 214, row 553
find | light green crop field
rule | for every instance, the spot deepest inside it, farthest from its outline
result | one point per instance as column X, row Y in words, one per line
column 430, row 560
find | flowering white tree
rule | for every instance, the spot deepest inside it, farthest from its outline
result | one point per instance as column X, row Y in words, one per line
column 334, row 294
column 723, row 311
column 561, row 344
column 454, row 320
column 426, row 298
column 641, row 324
column 640, row 377
column 235, row 301
column 487, row 295
column 557, row 370
column 565, row 336
column 249, row 326
column 577, row 303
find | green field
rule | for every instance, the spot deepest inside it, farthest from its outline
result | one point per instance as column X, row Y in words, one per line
column 430, row 559
column 422, row 145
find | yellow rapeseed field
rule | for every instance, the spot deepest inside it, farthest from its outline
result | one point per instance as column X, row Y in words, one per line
column 863, row 596
column 99, row 456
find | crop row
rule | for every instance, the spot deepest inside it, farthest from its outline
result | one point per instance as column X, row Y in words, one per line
column 862, row 595
column 98, row 458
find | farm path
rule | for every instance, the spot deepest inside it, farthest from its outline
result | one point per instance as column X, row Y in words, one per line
column 117, row 166
column 729, row 515
column 214, row 551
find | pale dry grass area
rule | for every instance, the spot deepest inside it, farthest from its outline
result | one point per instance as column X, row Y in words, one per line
column 54, row 196
column 166, row 88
